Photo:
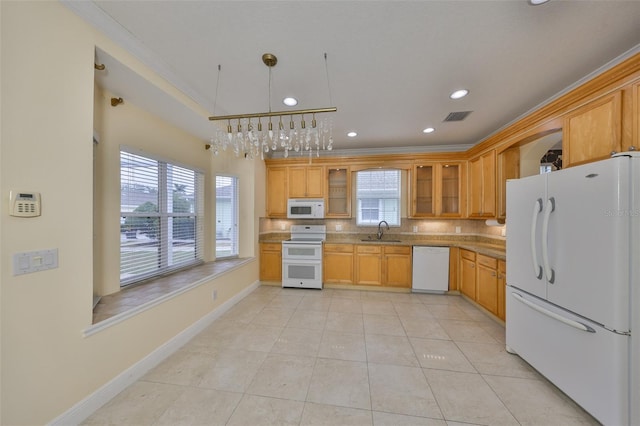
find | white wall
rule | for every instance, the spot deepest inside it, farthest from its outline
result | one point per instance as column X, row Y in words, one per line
column 47, row 87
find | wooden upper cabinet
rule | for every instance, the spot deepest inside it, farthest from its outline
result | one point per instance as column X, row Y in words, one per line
column 277, row 192
column 593, row 131
column 635, row 119
column 482, row 185
column 306, row 182
column 437, row 189
column 338, row 191
column 508, row 168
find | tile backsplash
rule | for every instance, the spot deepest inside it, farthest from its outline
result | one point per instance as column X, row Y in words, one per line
column 423, row 227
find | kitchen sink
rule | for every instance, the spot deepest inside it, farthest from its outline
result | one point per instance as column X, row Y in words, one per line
column 380, row 241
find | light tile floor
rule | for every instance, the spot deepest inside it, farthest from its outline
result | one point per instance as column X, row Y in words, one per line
column 344, row 357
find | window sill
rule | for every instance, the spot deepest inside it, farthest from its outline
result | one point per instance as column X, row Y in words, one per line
column 118, row 307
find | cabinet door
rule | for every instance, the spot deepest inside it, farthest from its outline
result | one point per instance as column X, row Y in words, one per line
column 482, row 185
column 270, row 262
column 338, row 263
column 468, row 277
column 277, row 192
column 487, row 294
column 475, row 187
column 338, row 192
column 297, row 182
column 489, row 184
column 397, row 266
column 306, row 182
column 635, row 119
column 436, row 190
column 368, row 265
column 508, row 168
column 315, row 181
column 450, row 189
column 502, row 282
column 424, row 190
column 593, row 131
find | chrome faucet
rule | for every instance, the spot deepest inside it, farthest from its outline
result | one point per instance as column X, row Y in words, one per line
column 380, row 233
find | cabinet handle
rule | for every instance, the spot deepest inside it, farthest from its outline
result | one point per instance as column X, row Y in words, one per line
column 493, row 274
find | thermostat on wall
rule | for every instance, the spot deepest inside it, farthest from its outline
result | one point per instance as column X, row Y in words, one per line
column 24, row 204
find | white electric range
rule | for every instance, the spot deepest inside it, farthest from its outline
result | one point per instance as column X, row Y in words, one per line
column 302, row 256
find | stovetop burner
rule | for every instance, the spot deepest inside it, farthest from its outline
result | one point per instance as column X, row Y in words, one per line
column 307, row 234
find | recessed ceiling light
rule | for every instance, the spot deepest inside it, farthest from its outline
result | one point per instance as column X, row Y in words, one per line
column 290, row 101
column 352, row 134
column 429, row 130
column 459, row 94
column 537, row 2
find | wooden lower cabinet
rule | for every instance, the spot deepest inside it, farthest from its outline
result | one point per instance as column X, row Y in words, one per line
column 487, row 283
column 397, row 266
column 338, row 263
column 367, row 264
column 270, row 262
column 483, row 278
column 468, row 273
column 502, row 282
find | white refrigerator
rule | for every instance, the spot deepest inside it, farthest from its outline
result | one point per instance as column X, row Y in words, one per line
column 573, row 282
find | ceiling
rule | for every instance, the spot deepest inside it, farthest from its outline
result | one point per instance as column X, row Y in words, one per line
column 390, row 68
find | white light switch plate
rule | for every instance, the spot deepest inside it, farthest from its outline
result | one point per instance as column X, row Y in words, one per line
column 34, row 261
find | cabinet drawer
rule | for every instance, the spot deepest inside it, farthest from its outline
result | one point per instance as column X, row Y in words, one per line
column 338, row 248
column 369, row 249
column 469, row 255
column 397, row 249
column 487, row 261
column 271, row 246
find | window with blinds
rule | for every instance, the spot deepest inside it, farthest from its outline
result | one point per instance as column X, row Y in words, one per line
column 161, row 217
column 226, row 216
column 378, row 197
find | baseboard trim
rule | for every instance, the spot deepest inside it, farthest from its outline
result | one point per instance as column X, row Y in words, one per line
column 83, row 409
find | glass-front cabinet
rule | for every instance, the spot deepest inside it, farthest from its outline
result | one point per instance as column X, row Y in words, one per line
column 338, row 192
column 436, row 190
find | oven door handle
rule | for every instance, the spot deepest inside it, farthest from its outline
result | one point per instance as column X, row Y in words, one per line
column 296, row 261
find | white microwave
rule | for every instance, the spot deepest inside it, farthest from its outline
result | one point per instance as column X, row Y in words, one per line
column 305, row 208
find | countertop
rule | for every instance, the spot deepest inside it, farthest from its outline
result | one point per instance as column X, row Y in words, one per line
column 480, row 244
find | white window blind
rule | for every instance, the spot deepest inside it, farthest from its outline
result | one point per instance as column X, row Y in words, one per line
column 161, row 217
column 226, row 216
column 378, row 197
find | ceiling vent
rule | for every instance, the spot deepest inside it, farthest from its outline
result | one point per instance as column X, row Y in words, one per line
column 457, row 116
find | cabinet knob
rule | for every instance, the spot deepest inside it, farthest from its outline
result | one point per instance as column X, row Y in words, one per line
column 613, row 153
column 632, row 148
column 493, row 274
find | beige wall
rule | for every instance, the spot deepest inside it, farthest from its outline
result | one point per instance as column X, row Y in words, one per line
column 47, row 108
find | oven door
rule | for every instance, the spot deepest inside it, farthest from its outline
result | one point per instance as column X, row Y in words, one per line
column 293, row 252
column 301, row 273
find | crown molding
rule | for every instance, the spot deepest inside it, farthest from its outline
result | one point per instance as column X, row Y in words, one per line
column 377, row 151
column 100, row 20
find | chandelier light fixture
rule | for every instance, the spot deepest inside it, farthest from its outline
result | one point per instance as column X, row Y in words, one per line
column 257, row 134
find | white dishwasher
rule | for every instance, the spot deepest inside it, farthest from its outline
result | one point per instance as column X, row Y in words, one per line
column 430, row 269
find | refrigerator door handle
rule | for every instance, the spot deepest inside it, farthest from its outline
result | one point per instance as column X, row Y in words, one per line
column 537, row 269
column 543, row 311
column 548, row 271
